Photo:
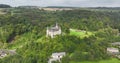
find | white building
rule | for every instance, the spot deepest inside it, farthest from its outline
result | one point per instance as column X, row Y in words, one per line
column 56, row 57
column 3, row 53
column 113, row 51
column 116, row 44
column 52, row 31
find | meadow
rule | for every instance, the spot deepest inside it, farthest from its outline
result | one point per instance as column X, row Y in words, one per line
column 80, row 33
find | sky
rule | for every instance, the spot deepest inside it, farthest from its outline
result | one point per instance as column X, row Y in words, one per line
column 71, row 3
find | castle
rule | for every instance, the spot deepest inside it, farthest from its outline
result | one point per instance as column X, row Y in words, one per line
column 52, row 31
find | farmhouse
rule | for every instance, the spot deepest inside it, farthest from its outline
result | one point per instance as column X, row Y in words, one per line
column 116, row 44
column 3, row 53
column 52, row 31
column 56, row 57
column 113, row 51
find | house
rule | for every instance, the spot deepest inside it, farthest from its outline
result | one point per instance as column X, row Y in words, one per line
column 52, row 31
column 56, row 57
column 3, row 53
column 113, row 51
column 116, row 44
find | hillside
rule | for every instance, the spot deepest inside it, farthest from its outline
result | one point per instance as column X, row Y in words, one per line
column 24, row 30
column 4, row 6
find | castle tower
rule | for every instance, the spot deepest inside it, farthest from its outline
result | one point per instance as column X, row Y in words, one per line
column 56, row 25
column 47, row 32
column 52, row 31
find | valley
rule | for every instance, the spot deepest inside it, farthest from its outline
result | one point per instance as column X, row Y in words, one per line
column 35, row 34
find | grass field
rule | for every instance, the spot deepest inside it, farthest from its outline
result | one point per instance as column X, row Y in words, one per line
column 80, row 33
column 1, row 12
column 113, row 60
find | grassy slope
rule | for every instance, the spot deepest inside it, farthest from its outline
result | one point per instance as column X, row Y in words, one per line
column 114, row 60
column 80, row 33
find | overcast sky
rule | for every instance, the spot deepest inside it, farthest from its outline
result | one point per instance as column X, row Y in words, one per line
column 74, row 3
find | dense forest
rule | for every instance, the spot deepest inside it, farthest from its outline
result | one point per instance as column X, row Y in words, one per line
column 24, row 29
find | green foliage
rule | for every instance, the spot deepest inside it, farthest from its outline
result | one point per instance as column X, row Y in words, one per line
column 24, row 30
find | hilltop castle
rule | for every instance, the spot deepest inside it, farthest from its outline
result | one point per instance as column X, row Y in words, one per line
column 52, row 31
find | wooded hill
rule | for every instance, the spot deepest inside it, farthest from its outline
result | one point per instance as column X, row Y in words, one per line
column 4, row 6
column 25, row 30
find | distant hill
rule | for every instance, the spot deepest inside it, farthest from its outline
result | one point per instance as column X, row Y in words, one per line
column 113, row 8
column 102, row 9
column 4, row 6
column 59, row 7
column 28, row 7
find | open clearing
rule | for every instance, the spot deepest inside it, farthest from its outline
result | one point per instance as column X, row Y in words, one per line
column 80, row 33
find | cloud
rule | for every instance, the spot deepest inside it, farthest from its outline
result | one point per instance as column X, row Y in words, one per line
column 78, row 3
